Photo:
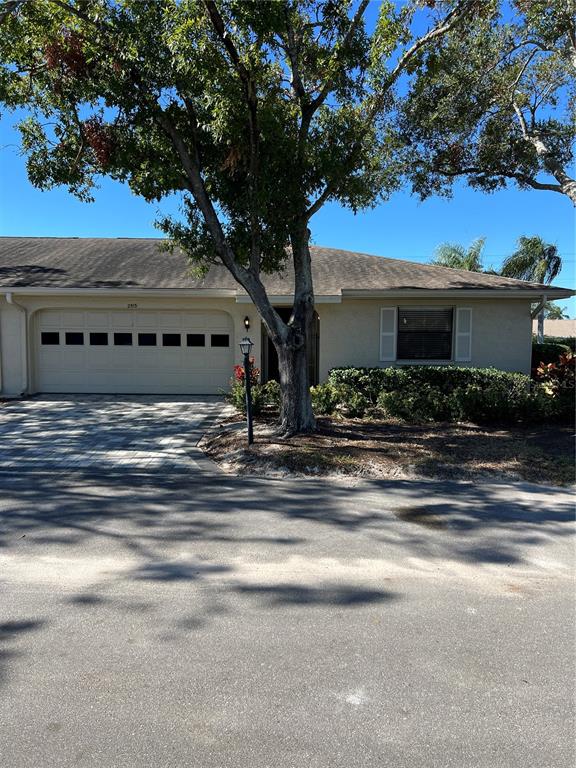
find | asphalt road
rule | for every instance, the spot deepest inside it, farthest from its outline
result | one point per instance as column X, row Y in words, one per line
column 216, row 621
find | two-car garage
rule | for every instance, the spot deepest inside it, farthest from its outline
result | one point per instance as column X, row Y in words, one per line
column 133, row 351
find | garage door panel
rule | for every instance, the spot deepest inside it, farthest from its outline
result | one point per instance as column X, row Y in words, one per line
column 170, row 320
column 97, row 320
column 146, row 320
column 73, row 319
column 121, row 320
column 99, row 365
column 52, row 320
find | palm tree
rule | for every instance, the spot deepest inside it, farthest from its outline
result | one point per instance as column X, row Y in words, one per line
column 457, row 256
column 533, row 260
column 553, row 311
column 536, row 261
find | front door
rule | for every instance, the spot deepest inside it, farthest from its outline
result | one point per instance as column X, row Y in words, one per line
column 270, row 371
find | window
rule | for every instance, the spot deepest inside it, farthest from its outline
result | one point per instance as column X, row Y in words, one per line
column 50, row 337
column 146, row 339
column 195, row 340
column 122, row 339
column 171, row 340
column 99, row 339
column 74, row 338
column 424, row 333
column 220, row 340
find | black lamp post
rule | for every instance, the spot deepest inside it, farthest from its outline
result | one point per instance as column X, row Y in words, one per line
column 246, row 347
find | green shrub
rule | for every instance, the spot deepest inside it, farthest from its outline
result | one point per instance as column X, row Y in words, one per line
column 324, row 399
column 548, row 352
column 444, row 393
column 411, row 403
column 568, row 341
column 353, row 402
column 272, row 394
column 263, row 395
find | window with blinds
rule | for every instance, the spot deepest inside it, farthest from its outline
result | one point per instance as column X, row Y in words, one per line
column 424, row 333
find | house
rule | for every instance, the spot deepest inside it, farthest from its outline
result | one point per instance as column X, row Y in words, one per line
column 122, row 316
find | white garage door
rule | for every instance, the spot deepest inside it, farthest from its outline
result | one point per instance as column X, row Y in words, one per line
column 134, row 352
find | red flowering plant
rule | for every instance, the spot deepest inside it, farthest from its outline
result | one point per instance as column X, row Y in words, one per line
column 254, row 373
column 557, row 378
column 263, row 395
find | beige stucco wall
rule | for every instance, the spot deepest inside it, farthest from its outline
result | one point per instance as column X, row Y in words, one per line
column 556, row 327
column 349, row 332
column 12, row 349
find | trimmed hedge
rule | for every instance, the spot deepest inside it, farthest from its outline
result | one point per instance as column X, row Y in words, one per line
column 547, row 352
column 568, row 341
column 438, row 393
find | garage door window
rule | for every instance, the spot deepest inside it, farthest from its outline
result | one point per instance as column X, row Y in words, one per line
column 98, row 339
column 220, row 340
column 146, row 339
column 74, row 338
column 122, row 339
column 195, row 340
column 171, row 340
column 50, row 337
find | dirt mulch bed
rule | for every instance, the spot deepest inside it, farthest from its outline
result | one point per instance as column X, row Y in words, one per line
column 383, row 449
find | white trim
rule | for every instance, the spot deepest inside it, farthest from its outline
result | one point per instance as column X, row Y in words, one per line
column 288, row 299
column 197, row 293
column 209, row 293
column 387, row 334
column 458, row 334
column 491, row 294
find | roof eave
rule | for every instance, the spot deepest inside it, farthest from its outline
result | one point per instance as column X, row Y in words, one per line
column 208, row 293
column 476, row 293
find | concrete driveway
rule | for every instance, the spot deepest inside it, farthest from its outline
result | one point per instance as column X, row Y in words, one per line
column 105, row 432
column 212, row 621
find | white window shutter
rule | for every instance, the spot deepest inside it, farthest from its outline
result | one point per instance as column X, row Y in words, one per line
column 388, row 333
column 463, row 347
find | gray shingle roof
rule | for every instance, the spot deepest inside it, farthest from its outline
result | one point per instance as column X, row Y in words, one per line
column 139, row 263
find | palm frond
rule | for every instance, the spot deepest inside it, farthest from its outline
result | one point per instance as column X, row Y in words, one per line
column 534, row 260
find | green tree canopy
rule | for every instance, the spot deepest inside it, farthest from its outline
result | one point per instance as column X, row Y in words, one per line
column 257, row 113
column 497, row 104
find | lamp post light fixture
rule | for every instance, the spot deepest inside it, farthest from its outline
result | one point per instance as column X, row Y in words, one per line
column 247, row 323
column 246, row 347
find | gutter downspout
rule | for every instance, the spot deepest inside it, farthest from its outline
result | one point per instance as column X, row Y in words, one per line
column 539, row 311
column 10, row 300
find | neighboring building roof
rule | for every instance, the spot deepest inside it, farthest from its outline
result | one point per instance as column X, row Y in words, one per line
column 134, row 264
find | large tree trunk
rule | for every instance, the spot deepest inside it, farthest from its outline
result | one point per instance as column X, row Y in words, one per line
column 296, row 406
column 296, row 414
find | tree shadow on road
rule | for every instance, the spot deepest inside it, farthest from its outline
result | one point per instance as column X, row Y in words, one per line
column 190, row 537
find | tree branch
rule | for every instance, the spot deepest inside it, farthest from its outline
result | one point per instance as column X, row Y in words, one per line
column 462, row 8
column 522, row 177
column 290, row 48
column 521, row 120
column 338, row 48
column 253, row 128
column 9, row 7
column 451, row 20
